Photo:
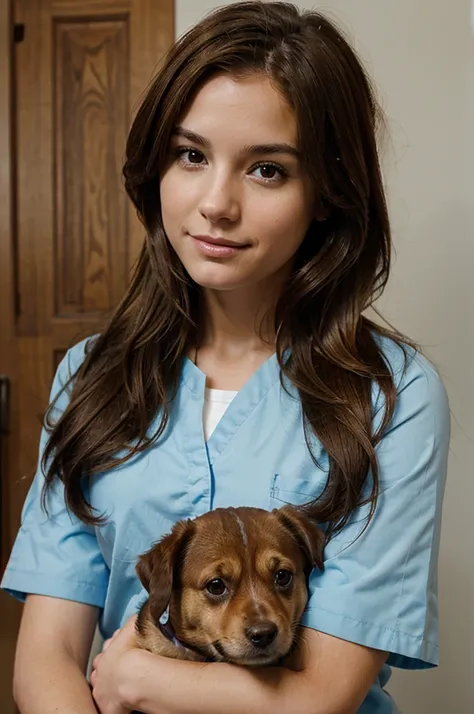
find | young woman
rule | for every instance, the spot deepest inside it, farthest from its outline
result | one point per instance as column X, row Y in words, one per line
column 253, row 166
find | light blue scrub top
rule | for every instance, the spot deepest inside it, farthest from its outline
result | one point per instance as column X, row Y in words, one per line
column 379, row 591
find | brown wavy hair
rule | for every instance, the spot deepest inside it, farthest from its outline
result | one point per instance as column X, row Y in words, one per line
column 131, row 370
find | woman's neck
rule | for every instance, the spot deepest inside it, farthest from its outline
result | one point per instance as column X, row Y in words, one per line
column 237, row 322
column 238, row 336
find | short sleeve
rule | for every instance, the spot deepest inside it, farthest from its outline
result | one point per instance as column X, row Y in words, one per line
column 55, row 553
column 380, row 590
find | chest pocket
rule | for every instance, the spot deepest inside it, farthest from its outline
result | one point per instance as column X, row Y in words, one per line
column 296, row 491
column 298, row 479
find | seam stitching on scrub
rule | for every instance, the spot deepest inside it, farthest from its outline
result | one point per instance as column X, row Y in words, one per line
column 422, row 490
column 418, row 638
column 435, row 443
column 93, row 586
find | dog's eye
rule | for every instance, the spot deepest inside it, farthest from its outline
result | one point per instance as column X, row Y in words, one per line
column 283, row 578
column 216, row 587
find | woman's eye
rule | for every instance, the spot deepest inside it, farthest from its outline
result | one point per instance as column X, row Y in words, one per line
column 216, row 586
column 271, row 173
column 190, row 156
column 267, row 172
column 283, row 578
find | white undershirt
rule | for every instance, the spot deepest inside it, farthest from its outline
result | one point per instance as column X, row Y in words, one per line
column 216, row 401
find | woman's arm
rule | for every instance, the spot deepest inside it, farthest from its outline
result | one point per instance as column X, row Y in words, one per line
column 51, row 658
column 329, row 676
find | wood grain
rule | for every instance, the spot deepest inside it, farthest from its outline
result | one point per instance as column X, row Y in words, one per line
column 152, row 24
column 34, row 217
column 91, row 104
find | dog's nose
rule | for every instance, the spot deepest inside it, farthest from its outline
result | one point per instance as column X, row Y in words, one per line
column 262, row 633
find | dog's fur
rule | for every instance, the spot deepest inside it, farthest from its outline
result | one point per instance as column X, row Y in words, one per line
column 244, row 548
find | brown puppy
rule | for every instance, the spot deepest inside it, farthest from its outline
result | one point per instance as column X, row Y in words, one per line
column 235, row 583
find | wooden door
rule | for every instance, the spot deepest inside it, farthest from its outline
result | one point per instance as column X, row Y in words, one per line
column 79, row 69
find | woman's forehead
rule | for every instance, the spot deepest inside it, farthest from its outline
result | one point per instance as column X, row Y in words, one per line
column 246, row 110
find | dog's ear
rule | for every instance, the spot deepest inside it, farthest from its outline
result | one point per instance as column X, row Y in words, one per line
column 156, row 568
column 308, row 535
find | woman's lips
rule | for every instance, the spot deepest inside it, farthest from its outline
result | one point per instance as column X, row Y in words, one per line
column 216, row 247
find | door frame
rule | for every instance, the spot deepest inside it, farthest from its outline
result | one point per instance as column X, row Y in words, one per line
column 7, row 271
column 10, row 610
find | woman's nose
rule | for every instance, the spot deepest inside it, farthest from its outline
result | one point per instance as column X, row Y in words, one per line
column 219, row 200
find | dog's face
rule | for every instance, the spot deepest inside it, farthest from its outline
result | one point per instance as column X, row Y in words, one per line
column 234, row 581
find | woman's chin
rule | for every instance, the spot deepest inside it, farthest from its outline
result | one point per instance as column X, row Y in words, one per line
column 215, row 281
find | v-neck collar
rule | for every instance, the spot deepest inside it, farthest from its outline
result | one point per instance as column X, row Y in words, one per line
column 243, row 404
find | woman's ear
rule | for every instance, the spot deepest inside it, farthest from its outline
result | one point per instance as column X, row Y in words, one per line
column 156, row 567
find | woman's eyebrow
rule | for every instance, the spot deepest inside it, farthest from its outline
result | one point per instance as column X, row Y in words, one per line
column 274, row 148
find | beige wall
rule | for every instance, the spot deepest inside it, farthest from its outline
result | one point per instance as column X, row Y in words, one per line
column 421, row 53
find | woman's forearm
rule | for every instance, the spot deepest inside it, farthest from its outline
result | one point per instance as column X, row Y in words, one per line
column 156, row 685
column 52, row 683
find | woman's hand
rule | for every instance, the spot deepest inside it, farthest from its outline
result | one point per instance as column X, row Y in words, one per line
column 111, row 669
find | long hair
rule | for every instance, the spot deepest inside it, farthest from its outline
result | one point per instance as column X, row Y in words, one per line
column 132, row 368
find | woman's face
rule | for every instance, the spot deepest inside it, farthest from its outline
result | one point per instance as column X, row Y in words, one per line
column 236, row 202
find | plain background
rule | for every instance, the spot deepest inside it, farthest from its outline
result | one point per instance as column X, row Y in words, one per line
column 421, row 55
